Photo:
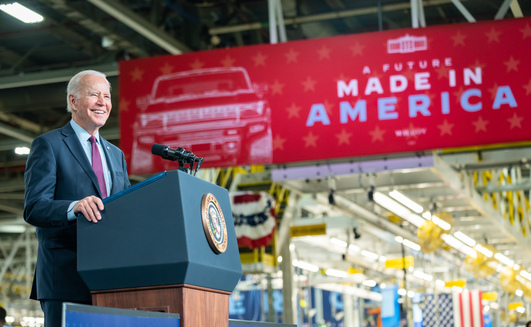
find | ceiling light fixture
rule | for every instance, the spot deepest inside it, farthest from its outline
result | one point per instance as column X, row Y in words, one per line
column 398, row 209
column 305, row 265
column 483, row 250
column 408, row 243
column 441, row 223
column 406, row 201
column 338, row 242
column 525, row 274
column 369, row 283
column 503, row 259
column 22, row 150
column 411, row 244
column 369, row 254
column 465, row 239
column 458, row 245
column 21, row 13
column 12, row 229
column 336, row 273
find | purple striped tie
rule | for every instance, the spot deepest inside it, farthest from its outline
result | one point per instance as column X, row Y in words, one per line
column 98, row 167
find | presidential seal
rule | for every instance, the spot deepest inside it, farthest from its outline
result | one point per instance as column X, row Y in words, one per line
column 214, row 223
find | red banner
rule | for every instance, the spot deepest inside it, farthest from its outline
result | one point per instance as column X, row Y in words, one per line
column 385, row 92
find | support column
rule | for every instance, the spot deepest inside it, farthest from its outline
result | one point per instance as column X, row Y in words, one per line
column 348, row 305
column 414, row 13
column 422, row 17
column 361, row 313
column 318, row 299
column 288, row 294
column 276, row 22
column 271, row 309
column 356, row 314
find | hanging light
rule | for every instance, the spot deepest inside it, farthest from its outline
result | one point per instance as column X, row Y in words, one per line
column 21, row 13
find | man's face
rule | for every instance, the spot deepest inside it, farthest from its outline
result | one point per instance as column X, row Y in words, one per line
column 93, row 106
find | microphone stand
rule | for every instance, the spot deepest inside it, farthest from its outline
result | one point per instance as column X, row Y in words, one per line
column 180, row 155
column 191, row 159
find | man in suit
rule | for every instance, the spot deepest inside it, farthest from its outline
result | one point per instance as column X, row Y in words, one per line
column 61, row 184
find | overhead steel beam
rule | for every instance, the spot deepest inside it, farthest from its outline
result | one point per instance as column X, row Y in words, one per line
column 503, row 9
column 11, row 256
column 9, row 207
column 326, row 16
column 93, row 25
column 463, row 184
column 23, row 123
column 53, row 76
column 348, row 168
column 15, row 133
column 464, row 11
column 526, row 185
column 488, row 159
column 140, row 25
column 12, row 186
column 516, row 10
column 109, row 133
column 12, row 196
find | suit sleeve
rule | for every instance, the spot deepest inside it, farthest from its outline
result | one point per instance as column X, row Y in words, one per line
column 126, row 181
column 40, row 207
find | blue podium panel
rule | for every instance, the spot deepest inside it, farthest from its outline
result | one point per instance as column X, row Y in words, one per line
column 153, row 234
column 75, row 315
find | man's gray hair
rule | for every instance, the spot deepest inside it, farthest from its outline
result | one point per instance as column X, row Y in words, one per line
column 73, row 85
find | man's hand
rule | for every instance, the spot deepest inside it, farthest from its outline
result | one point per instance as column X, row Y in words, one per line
column 90, row 207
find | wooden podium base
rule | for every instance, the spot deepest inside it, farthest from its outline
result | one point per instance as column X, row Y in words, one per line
column 197, row 307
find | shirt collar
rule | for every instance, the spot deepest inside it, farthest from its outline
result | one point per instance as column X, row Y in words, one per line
column 81, row 133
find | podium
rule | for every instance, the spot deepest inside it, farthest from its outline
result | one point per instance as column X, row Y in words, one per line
column 166, row 244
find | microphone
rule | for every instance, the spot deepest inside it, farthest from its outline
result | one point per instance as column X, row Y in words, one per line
column 182, row 156
column 167, row 153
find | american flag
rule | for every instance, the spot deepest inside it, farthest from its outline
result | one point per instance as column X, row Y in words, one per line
column 453, row 309
column 254, row 218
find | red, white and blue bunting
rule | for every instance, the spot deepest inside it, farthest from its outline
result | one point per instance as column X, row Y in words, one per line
column 254, row 218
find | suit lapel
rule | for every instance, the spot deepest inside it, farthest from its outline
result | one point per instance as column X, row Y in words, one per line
column 72, row 142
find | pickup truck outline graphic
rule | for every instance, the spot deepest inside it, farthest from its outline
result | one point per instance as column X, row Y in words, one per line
column 217, row 113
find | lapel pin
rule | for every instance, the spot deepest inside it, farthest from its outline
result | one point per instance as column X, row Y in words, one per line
column 108, row 148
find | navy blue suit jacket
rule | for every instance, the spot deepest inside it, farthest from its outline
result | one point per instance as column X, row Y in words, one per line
column 58, row 172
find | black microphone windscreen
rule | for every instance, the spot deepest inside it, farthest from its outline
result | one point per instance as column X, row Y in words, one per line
column 158, row 149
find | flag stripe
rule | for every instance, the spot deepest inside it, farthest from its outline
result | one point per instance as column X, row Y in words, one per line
column 457, row 309
column 254, row 218
column 462, row 310
column 453, row 309
column 478, row 312
column 471, row 310
column 481, row 308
